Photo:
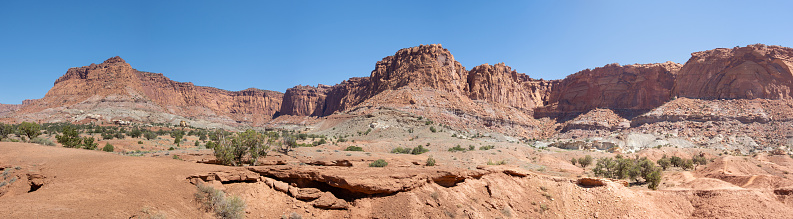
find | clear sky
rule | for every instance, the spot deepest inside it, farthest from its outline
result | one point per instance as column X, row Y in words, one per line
column 275, row 45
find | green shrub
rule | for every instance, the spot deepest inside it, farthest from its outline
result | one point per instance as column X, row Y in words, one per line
column 573, row 161
column 471, row 147
column 664, row 162
column 135, row 133
column 487, row 147
column 149, row 135
column 401, row 150
column 42, row 141
column 70, row 137
column 432, row 129
column 108, row 148
column 353, row 148
column 456, row 148
column 585, row 161
column 140, row 142
column 88, row 143
column 241, row 145
column 430, row 161
column 218, row 202
column 378, row 163
column 419, row 150
column 29, row 129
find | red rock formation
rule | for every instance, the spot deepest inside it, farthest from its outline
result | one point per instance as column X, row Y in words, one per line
column 629, row 87
column 500, row 84
column 116, row 80
column 754, row 71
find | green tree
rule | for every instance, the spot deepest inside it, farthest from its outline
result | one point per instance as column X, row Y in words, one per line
column 654, row 179
column 70, row 138
column 135, row 133
column 30, row 129
column 585, row 161
column 88, row 143
column 149, row 135
column 676, row 161
column 6, row 130
column 108, row 147
column 231, row 151
column 664, row 162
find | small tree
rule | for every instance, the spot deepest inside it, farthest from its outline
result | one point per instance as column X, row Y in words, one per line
column 149, row 135
column 70, row 138
column 430, row 161
column 30, row 129
column 135, row 133
column 88, row 143
column 585, row 161
column 378, row 163
column 108, row 148
column 231, row 151
column 5, row 130
column 676, row 161
column 664, row 162
column 573, row 161
column 654, row 178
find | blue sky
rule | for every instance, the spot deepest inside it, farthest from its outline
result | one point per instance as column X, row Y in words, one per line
column 271, row 45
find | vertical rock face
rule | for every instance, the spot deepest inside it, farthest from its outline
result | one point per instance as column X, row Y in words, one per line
column 423, row 66
column 305, row 100
column 500, row 84
column 115, row 80
column 629, row 87
column 754, row 71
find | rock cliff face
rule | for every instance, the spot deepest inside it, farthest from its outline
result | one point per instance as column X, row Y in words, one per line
column 426, row 66
column 621, row 88
column 116, row 81
column 754, row 71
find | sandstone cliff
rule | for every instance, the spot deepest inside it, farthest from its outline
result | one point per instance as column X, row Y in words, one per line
column 754, row 71
column 116, row 81
column 627, row 89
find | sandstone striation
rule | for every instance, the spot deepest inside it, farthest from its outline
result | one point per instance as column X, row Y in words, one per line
column 625, row 89
column 754, row 71
column 116, row 81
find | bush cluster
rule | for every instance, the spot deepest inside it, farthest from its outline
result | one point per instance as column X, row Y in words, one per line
column 622, row 168
column 218, row 202
column 378, row 163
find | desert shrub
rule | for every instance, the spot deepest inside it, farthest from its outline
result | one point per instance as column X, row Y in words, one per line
column 177, row 140
column 419, row 150
column 119, row 135
column 88, row 143
column 197, row 143
column 149, row 135
column 471, row 147
column 231, row 151
column 401, row 150
column 108, row 136
column 491, row 162
column 218, row 202
column 654, row 178
column 687, row 164
column 573, row 161
column 135, row 133
column 42, row 141
column 69, row 138
column 378, row 163
column 585, row 161
column 30, row 129
column 456, row 148
column 108, row 148
column 6, row 130
column 161, row 132
column 353, row 148
column 487, row 147
column 676, row 161
column 430, row 161
column 432, row 129
column 699, row 160
column 664, row 162
column 140, row 142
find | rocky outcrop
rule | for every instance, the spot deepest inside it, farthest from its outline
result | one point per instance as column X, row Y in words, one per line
column 754, row 71
column 621, row 88
column 116, row 81
column 500, row 84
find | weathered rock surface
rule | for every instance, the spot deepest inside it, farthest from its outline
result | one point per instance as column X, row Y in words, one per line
column 621, row 88
column 116, row 81
column 754, row 71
